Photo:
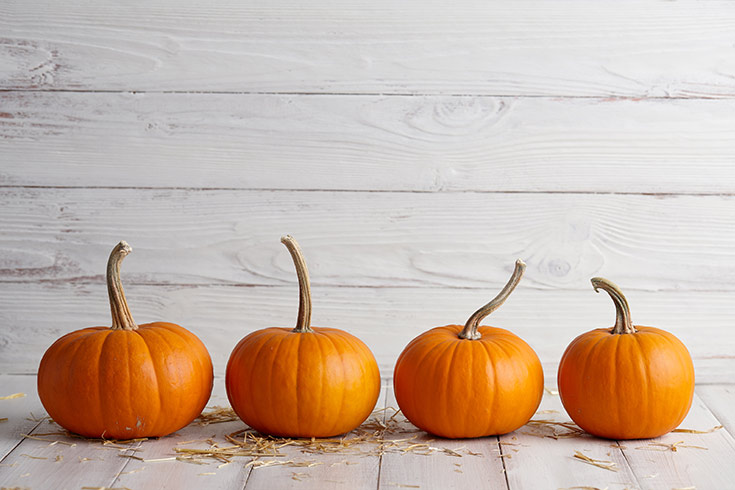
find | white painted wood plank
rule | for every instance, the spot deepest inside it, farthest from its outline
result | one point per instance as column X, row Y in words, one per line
column 329, row 471
column 720, row 400
column 33, row 316
column 659, row 468
column 479, row 466
column 367, row 142
column 538, row 461
column 19, row 414
column 370, row 239
column 638, row 48
column 69, row 464
column 178, row 475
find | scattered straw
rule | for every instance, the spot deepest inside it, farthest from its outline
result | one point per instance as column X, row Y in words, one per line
column 403, row 485
column 605, row 465
column 105, row 488
column 693, row 431
column 659, row 446
column 3, row 419
column 33, row 418
column 156, row 460
column 583, row 488
column 550, row 391
column 52, row 441
column 33, row 457
column 216, row 415
column 385, row 431
column 14, row 395
column 548, row 428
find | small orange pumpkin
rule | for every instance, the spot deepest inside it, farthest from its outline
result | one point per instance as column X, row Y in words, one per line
column 470, row 381
column 126, row 381
column 302, row 382
column 626, row 382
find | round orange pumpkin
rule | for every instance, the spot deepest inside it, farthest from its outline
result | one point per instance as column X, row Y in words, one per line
column 470, row 381
column 626, row 382
column 126, row 381
column 302, row 382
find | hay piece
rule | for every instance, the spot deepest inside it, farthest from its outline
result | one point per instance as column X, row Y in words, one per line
column 26, row 436
column 693, row 431
column 583, row 488
column 659, row 446
column 216, row 415
column 13, row 396
column 605, row 465
column 105, row 488
column 571, row 429
column 3, row 419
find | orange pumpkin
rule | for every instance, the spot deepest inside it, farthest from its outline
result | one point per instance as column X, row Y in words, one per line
column 626, row 382
column 127, row 381
column 470, row 381
column 302, row 382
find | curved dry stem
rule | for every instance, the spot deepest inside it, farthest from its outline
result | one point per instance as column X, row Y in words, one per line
column 122, row 319
column 623, row 323
column 470, row 328
column 303, row 322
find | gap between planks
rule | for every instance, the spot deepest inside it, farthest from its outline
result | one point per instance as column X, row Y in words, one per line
column 634, row 98
column 373, row 191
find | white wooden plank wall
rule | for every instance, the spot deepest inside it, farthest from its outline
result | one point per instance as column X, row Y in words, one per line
column 415, row 150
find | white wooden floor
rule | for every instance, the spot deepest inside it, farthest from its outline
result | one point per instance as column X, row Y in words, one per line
column 37, row 455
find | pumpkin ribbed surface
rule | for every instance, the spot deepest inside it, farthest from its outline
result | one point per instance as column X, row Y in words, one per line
column 302, row 384
column 627, row 386
column 125, row 384
column 458, row 388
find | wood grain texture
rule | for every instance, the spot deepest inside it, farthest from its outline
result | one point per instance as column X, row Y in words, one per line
column 22, row 414
column 631, row 48
column 473, row 463
column 536, row 460
column 325, row 471
column 530, row 461
column 33, row 316
column 720, row 400
column 370, row 239
column 71, row 463
column 702, row 461
column 175, row 475
column 429, row 143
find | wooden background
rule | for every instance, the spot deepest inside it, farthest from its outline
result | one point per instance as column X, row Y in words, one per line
column 414, row 149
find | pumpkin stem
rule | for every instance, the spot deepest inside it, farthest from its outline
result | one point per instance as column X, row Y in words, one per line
column 121, row 317
column 470, row 328
column 303, row 322
column 623, row 323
